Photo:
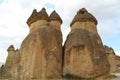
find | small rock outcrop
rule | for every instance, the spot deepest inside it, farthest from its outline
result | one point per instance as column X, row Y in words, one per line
column 5, row 70
column 84, row 54
column 113, row 59
column 42, row 49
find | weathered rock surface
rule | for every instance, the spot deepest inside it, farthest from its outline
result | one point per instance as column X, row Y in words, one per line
column 113, row 59
column 42, row 50
column 16, row 67
column 5, row 70
column 41, row 56
column 84, row 53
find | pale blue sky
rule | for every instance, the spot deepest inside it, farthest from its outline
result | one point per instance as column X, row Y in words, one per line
column 49, row 5
column 1, row 1
column 14, row 13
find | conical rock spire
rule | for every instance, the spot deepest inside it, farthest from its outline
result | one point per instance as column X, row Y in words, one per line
column 42, row 15
column 11, row 48
column 54, row 16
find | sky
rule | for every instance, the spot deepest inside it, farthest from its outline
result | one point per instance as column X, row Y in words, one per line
column 14, row 14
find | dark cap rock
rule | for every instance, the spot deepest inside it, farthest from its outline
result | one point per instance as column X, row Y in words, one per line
column 54, row 16
column 35, row 16
column 11, row 48
column 84, row 16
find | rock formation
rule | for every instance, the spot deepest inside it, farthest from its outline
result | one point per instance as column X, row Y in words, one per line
column 42, row 49
column 84, row 53
column 42, row 57
column 5, row 70
column 16, row 67
column 118, row 64
column 113, row 59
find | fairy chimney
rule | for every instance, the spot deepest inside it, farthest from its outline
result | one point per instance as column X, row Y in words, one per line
column 11, row 54
column 5, row 72
column 42, row 49
column 84, row 54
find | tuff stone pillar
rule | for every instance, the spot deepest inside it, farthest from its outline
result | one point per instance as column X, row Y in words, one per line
column 42, row 48
column 84, row 54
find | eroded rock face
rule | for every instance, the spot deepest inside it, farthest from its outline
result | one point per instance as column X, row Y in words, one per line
column 42, row 52
column 5, row 70
column 16, row 67
column 84, row 53
column 113, row 59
